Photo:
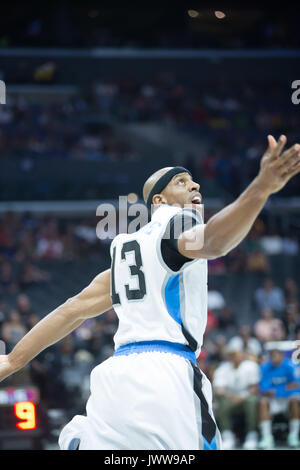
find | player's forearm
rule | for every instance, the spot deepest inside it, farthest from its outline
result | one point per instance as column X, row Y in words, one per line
column 91, row 301
column 226, row 229
column 51, row 329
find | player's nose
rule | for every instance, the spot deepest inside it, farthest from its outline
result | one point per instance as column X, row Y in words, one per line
column 194, row 186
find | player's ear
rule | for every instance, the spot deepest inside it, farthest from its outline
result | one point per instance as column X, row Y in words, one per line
column 159, row 199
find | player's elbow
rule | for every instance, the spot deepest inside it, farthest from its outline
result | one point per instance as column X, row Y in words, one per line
column 206, row 251
column 213, row 249
column 217, row 248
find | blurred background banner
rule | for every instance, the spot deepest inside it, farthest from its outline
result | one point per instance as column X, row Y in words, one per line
column 97, row 99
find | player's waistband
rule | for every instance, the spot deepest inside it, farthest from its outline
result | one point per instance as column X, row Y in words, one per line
column 161, row 346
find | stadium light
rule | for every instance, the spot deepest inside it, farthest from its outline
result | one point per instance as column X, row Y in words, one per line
column 193, row 13
column 220, row 14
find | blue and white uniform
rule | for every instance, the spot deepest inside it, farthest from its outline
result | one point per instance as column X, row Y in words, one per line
column 277, row 378
column 150, row 394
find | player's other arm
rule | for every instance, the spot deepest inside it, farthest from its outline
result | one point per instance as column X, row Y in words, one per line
column 226, row 229
column 90, row 302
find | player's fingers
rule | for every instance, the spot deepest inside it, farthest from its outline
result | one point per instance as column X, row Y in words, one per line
column 279, row 146
column 289, row 156
column 293, row 170
column 272, row 143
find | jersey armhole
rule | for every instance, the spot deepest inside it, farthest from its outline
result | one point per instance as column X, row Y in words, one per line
column 168, row 254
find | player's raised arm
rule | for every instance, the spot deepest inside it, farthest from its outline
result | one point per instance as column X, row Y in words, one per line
column 226, row 229
column 90, row 302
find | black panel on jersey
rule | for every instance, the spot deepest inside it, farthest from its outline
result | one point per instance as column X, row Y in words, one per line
column 208, row 424
column 179, row 223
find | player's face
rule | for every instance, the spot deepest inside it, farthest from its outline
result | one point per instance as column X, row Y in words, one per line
column 182, row 190
column 276, row 357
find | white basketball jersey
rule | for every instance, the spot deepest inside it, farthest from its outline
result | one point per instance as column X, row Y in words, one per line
column 152, row 302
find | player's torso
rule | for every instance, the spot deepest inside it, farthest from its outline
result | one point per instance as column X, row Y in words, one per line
column 152, row 302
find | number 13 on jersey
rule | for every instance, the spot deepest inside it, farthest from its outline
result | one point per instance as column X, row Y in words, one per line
column 134, row 271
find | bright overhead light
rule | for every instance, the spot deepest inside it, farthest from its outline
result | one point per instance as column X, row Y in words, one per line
column 193, row 13
column 220, row 14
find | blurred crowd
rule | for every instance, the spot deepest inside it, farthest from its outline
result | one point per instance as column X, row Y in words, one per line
column 28, row 242
column 33, row 131
column 232, row 121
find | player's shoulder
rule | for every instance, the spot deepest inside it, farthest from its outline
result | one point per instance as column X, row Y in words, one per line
column 165, row 212
column 177, row 220
column 288, row 363
column 118, row 239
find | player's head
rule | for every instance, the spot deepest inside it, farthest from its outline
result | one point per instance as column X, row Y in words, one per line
column 235, row 352
column 276, row 356
column 171, row 185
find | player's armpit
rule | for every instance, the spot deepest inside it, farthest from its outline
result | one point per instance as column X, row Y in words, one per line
column 193, row 244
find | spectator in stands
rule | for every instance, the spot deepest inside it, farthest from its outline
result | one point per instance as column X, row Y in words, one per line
column 277, row 385
column 227, row 322
column 2, row 312
column 268, row 328
column 257, row 261
column 208, row 166
column 215, row 299
column 246, row 342
column 86, row 230
column 67, row 373
column 216, row 266
column 97, row 342
column 236, row 260
column 12, row 329
column 269, row 296
column 24, row 307
column 84, row 333
column 216, row 349
column 235, row 385
column 32, row 275
column 49, row 244
column 291, row 320
column 8, row 281
column 212, row 321
column 26, row 245
column 291, row 291
column 32, row 320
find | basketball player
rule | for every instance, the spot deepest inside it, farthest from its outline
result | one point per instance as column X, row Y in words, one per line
column 150, row 393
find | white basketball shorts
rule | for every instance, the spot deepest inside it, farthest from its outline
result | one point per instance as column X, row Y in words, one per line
column 145, row 401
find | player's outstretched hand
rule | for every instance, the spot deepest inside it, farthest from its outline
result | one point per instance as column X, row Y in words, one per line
column 277, row 168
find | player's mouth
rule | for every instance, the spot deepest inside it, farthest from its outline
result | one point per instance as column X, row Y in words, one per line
column 197, row 199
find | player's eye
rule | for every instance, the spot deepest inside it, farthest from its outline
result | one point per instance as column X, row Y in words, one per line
column 181, row 180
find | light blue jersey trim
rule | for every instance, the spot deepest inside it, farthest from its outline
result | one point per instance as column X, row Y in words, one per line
column 161, row 346
column 74, row 444
column 172, row 298
column 209, row 446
